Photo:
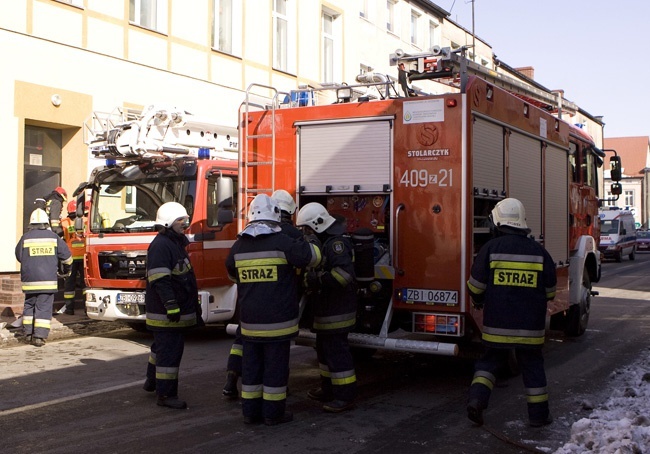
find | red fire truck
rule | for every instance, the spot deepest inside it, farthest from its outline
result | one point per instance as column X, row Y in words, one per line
column 160, row 155
column 416, row 177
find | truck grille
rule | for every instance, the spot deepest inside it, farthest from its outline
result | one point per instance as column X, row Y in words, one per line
column 121, row 265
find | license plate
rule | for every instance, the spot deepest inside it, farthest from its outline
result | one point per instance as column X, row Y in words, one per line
column 124, row 298
column 427, row 296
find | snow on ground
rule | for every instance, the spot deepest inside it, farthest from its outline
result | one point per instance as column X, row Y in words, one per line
column 621, row 425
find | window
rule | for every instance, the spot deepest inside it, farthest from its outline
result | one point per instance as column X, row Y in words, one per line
column 588, row 169
column 151, row 14
column 363, row 12
column 629, row 198
column 225, row 32
column 415, row 17
column 390, row 19
column 433, row 34
column 328, row 48
column 280, row 34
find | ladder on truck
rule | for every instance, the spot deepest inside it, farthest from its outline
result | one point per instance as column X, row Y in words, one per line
column 250, row 161
column 454, row 68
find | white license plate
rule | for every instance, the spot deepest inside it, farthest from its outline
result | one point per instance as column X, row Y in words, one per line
column 137, row 298
column 423, row 295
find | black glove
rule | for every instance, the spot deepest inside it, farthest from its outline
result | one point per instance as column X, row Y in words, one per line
column 64, row 270
column 477, row 305
column 173, row 311
column 312, row 280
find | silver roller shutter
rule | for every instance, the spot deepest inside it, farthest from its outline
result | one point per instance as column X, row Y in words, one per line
column 525, row 178
column 342, row 155
column 556, row 204
column 487, row 167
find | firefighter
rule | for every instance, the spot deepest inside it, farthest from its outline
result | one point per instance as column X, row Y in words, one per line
column 40, row 253
column 75, row 240
column 262, row 262
column 287, row 208
column 331, row 293
column 512, row 279
column 171, row 301
column 54, row 208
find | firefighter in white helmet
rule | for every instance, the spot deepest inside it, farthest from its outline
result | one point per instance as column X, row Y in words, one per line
column 40, row 252
column 263, row 263
column 233, row 369
column 331, row 294
column 172, row 302
column 512, row 279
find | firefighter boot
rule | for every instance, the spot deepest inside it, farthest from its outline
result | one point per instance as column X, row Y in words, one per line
column 475, row 411
column 149, row 385
column 286, row 417
column 320, row 395
column 541, row 422
column 172, row 402
column 230, row 388
column 338, row 406
column 38, row 342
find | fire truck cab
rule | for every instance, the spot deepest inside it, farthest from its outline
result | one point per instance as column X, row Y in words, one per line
column 163, row 154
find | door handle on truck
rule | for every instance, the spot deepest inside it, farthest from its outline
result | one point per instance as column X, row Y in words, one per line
column 399, row 208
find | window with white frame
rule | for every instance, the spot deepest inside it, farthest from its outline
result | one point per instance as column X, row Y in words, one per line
column 434, row 39
column 225, row 31
column 415, row 18
column 151, row 14
column 390, row 16
column 629, row 198
column 609, row 201
column 363, row 12
column 280, row 35
column 328, row 47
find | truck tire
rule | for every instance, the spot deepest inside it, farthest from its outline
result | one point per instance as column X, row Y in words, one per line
column 618, row 256
column 138, row 326
column 633, row 253
column 577, row 317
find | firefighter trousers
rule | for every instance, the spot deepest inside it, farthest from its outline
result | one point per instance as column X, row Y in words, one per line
column 265, row 374
column 338, row 377
column 531, row 364
column 37, row 314
column 72, row 281
column 165, row 360
column 236, row 353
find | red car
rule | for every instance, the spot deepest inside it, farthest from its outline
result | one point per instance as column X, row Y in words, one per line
column 642, row 240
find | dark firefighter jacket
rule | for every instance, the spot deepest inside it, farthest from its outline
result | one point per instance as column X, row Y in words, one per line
column 170, row 277
column 514, row 277
column 39, row 252
column 334, row 303
column 263, row 266
column 54, row 207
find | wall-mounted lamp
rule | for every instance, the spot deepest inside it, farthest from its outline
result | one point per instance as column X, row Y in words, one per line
column 56, row 100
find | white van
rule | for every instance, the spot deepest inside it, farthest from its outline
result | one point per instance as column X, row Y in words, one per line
column 617, row 234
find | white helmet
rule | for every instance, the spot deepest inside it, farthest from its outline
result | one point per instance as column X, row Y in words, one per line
column 510, row 213
column 39, row 216
column 315, row 215
column 169, row 212
column 284, row 201
column 263, row 208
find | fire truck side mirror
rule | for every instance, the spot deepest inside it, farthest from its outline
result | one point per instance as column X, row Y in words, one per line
column 616, row 189
column 222, row 211
column 615, row 168
column 225, row 192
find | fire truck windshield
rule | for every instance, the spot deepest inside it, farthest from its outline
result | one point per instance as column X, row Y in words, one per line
column 127, row 196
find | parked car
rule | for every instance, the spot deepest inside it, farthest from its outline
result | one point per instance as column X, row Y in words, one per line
column 643, row 240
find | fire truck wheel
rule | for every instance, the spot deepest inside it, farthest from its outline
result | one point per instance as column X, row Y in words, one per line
column 577, row 317
column 138, row 326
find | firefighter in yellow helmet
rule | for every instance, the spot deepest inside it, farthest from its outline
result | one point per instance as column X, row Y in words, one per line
column 40, row 252
column 511, row 280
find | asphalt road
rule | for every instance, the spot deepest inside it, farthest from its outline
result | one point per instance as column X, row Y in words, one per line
column 84, row 394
